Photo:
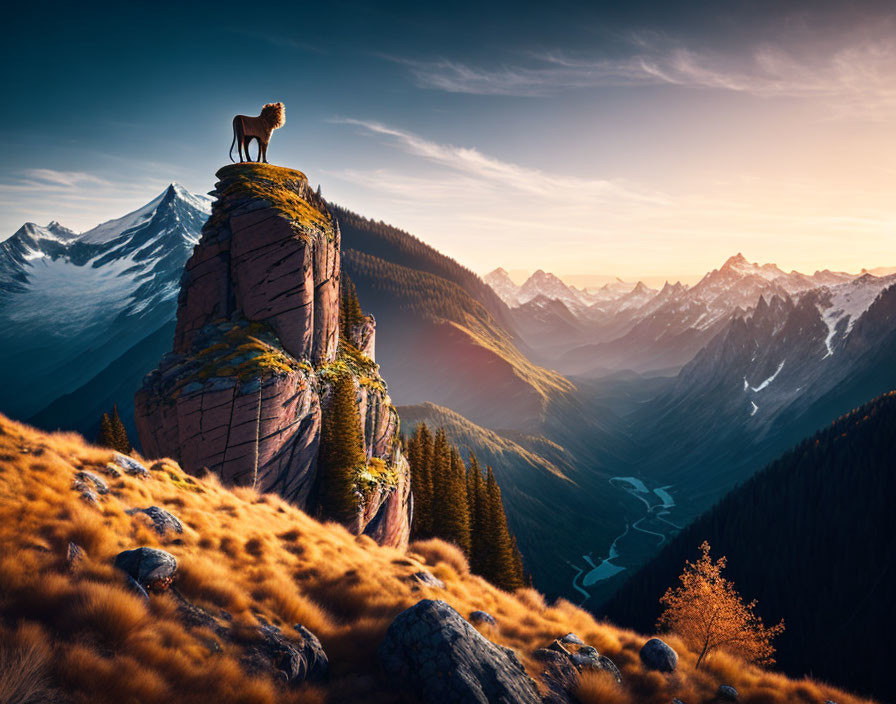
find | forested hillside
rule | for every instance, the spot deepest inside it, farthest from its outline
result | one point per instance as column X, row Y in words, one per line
column 442, row 336
column 811, row 537
column 400, row 247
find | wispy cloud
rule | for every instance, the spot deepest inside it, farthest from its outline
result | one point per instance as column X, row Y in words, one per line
column 855, row 78
column 488, row 171
column 51, row 179
column 489, row 211
column 78, row 199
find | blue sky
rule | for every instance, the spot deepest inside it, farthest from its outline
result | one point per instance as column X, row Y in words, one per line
column 644, row 139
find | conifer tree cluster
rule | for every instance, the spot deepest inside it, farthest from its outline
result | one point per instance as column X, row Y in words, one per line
column 113, row 434
column 462, row 505
column 350, row 313
column 341, row 451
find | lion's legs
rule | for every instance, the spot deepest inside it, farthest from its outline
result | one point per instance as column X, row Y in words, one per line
column 263, row 150
column 240, row 146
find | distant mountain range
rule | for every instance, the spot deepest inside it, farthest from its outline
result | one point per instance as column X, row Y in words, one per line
column 634, row 327
column 810, row 537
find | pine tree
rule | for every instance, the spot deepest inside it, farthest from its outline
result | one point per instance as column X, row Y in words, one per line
column 106, row 437
column 350, row 313
column 341, row 451
column 419, row 459
column 502, row 567
column 477, row 501
column 119, row 433
column 458, row 528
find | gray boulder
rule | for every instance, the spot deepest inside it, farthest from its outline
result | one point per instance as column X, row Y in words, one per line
column 162, row 520
column 433, row 653
column 131, row 466
column 482, row 617
column 657, row 655
column 727, row 693
column 152, row 569
column 572, row 639
column 428, row 579
column 88, row 481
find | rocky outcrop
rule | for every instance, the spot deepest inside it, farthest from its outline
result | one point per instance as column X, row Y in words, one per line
column 257, row 346
column 431, row 652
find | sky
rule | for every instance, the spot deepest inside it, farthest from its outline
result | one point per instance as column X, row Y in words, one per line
column 639, row 139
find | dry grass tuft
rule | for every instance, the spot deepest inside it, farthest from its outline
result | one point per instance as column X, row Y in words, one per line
column 24, row 667
column 257, row 558
column 435, row 552
column 601, row 688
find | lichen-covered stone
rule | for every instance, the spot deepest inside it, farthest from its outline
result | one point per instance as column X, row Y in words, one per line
column 432, row 653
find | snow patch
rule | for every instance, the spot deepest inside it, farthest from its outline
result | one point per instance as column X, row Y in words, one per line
column 755, row 408
column 766, row 382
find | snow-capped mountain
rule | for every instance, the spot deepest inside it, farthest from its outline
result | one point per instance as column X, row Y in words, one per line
column 668, row 328
column 501, row 283
column 71, row 304
column 774, row 373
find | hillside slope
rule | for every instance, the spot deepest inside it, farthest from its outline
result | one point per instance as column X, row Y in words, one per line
column 821, row 557
column 248, row 565
column 446, row 336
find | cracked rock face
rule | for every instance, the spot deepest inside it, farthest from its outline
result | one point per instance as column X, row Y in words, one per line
column 431, row 652
column 257, row 330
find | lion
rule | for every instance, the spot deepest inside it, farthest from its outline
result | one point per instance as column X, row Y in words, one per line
column 246, row 128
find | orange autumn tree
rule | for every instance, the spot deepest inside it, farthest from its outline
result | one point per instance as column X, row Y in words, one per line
column 708, row 614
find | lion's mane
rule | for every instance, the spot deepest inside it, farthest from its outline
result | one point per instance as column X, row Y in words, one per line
column 275, row 114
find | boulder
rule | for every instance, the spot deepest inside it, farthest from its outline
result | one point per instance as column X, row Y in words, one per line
column 428, row 579
column 657, row 655
column 131, row 466
column 90, row 482
column 151, row 568
column 483, row 617
column 571, row 639
column 162, row 520
column 432, row 653
column 727, row 693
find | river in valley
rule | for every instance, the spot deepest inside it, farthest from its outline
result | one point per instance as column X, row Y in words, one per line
column 643, row 534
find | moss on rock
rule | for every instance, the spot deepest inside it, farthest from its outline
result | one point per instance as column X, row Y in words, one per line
column 287, row 191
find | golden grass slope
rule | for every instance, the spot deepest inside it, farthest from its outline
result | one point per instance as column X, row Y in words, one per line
column 81, row 633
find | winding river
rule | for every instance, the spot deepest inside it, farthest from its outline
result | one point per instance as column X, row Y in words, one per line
column 658, row 504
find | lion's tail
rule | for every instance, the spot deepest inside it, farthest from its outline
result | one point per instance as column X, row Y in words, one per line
column 230, row 153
